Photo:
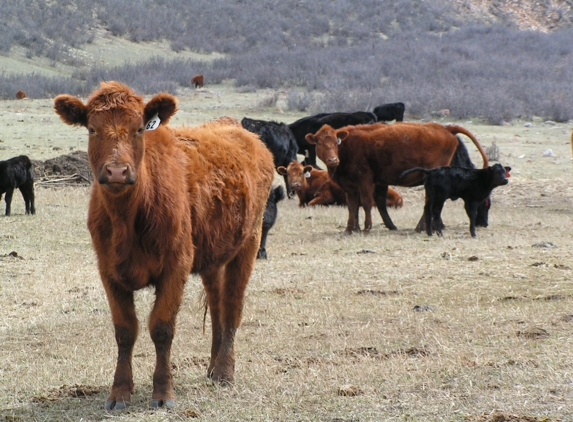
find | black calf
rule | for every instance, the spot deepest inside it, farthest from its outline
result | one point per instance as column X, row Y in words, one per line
column 15, row 173
column 269, row 217
column 474, row 186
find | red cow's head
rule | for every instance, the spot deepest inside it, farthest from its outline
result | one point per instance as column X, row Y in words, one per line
column 327, row 141
column 117, row 120
column 297, row 174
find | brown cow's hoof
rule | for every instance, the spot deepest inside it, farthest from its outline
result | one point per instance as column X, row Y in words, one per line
column 157, row 403
column 116, row 405
column 220, row 377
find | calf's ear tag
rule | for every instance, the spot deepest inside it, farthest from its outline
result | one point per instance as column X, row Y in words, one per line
column 338, row 141
column 153, row 123
column 307, row 174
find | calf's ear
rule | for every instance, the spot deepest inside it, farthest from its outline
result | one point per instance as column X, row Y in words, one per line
column 71, row 110
column 507, row 170
column 281, row 170
column 342, row 135
column 310, row 138
column 307, row 169
column 163, row 104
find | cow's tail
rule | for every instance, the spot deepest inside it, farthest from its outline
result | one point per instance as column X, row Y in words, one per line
column 205, row 306
column 407, row 172
column 455, row 129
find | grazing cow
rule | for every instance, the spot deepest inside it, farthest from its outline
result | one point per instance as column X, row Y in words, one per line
column 315, row 187
column 279, row 140
column 474, row 186
column 169, row 201
column 17, row 172
column 311, row 124
column 388, row 112
column 20, row 95
column 365, row 159
column 197, row 81
column 269, row 217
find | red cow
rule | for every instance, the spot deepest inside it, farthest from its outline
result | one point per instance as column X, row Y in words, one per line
column 315, row 187
column 197, row 81
column 367, row 157
column 20, row 95
column 168, row 202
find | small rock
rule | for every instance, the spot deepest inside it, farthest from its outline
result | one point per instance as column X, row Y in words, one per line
column 423, row 308
column 548, row 153
column 528, row 124
column 544, row 245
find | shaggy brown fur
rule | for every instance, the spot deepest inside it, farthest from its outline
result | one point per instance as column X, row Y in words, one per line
column 168, row 202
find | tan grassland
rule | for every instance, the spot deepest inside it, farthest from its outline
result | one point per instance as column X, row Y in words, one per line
column 371, row 327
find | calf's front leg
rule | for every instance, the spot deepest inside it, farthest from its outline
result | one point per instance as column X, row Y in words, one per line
column 169, row 293
column 126, row 326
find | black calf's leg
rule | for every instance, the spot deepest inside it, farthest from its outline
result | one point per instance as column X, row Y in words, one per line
column 471, row 210
column 8, row 199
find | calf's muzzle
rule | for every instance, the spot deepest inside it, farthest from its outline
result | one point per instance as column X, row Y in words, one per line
column 116, row 173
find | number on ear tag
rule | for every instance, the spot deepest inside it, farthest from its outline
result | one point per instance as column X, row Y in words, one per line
column 153, row 123
column 338, row 141
column 307, row 174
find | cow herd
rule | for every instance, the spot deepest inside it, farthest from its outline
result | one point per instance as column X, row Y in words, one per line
column 169, row 201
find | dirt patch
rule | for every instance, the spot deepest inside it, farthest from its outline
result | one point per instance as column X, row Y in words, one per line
column 66, row 391
column 70, row 169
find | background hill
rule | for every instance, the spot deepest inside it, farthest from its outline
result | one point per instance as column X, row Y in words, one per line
column 496, row 60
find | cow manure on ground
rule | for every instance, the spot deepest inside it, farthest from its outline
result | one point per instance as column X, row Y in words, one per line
column 67, row 391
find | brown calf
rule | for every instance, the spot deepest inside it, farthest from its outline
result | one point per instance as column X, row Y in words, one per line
column 197, row 81
column 168, row 202
column 315, row 187
column 364, row 157
column 312, row 186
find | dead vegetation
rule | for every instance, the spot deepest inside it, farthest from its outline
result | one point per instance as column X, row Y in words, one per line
column 380, row 326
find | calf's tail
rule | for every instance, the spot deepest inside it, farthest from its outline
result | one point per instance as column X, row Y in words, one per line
column 407, row 172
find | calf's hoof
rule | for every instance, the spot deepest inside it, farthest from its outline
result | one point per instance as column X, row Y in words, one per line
column 116, row 405
column 166, row 403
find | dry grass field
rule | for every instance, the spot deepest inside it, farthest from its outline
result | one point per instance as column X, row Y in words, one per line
column 375, row 327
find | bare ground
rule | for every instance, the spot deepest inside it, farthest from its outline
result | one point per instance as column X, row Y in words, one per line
column 379, row 326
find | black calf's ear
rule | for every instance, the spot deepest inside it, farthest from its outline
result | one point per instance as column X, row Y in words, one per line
column 163, row 105
column 507, row 170
column 71, row 110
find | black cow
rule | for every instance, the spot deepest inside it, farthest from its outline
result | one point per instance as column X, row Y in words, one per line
column 311, row 124
column 388, row 112
column 17, row 172
column 279, row 140
column 474, row 186
column 269, row 217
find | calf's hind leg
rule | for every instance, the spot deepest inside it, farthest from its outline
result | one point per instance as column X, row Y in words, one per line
column 225, row 289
